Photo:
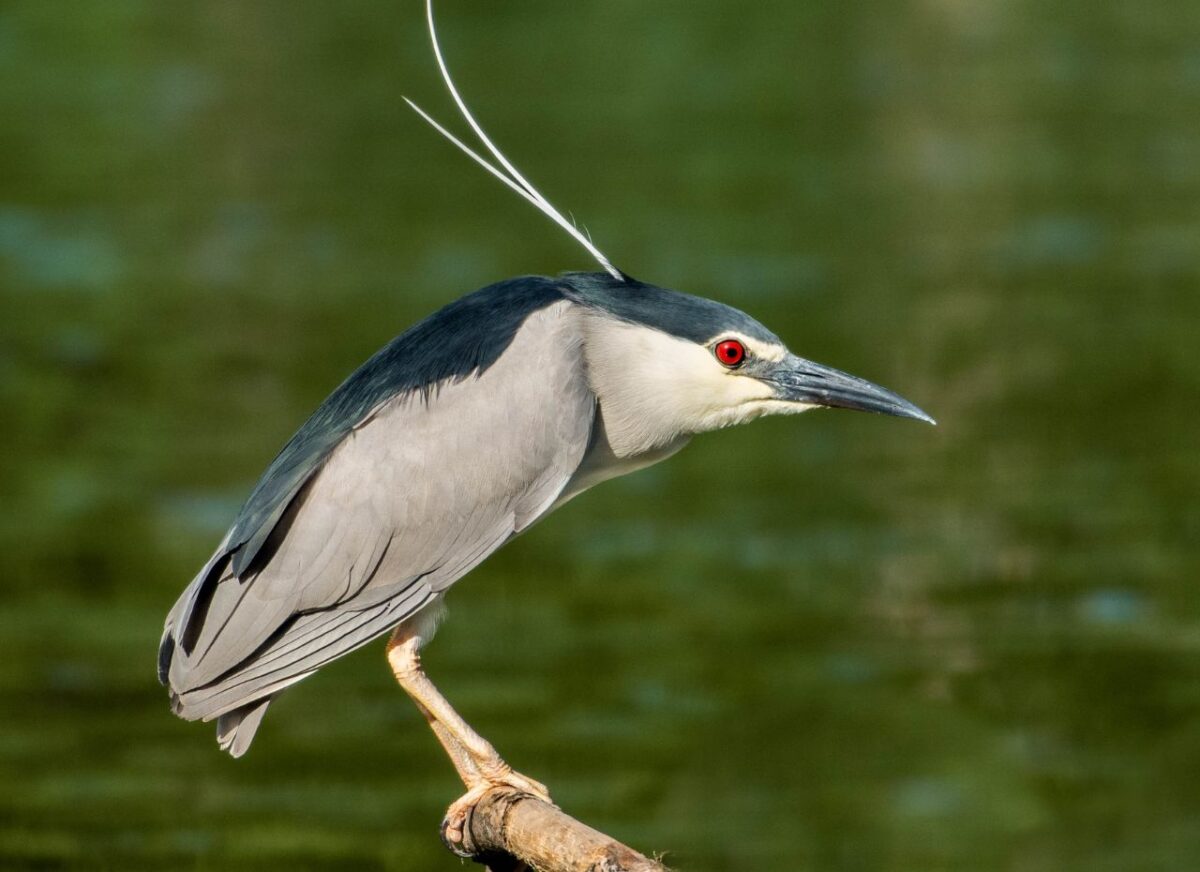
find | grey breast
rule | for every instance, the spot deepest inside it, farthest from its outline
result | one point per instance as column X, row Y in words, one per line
column 416, row 489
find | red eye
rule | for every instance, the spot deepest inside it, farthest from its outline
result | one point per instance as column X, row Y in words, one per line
column 730, row 352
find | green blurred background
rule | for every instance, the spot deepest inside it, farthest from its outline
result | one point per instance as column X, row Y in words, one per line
column 840, row 642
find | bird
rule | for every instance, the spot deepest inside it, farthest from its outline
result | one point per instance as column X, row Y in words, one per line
column 450, row 441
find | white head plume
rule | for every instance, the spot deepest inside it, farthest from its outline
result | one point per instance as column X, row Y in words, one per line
column 509, row 174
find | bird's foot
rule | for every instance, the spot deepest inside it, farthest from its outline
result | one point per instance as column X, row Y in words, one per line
column 455, row 823
column 504, row 776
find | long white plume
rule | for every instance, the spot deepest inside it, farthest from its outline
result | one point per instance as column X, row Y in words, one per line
column 509, row 174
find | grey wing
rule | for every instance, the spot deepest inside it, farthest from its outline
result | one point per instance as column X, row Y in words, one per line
column 406, row 504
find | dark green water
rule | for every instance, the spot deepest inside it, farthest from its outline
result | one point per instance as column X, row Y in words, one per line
column 838, row 642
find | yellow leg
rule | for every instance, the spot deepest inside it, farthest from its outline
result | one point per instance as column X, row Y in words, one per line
column 464, row 765
column 474, row 758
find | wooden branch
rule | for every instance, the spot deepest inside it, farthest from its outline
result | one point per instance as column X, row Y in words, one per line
column 513, row 832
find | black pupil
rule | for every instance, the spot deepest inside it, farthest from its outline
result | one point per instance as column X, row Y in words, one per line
column 731, row 352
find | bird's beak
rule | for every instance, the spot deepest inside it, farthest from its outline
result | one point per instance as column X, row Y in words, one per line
column 798, row 380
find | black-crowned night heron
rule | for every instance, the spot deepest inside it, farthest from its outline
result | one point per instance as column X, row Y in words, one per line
column 454, row 438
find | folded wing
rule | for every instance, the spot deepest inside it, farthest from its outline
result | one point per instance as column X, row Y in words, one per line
column 427, row 485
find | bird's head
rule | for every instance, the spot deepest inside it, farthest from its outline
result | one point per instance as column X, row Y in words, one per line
column 666, row 365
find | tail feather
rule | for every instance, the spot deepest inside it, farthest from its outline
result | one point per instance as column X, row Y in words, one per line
column 235, row 729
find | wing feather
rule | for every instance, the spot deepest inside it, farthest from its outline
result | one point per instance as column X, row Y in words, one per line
column 402, row 507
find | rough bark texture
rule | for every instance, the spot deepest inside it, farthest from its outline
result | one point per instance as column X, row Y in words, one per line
column 513, row 832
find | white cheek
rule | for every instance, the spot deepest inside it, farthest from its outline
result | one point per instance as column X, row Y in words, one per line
column 656, row 389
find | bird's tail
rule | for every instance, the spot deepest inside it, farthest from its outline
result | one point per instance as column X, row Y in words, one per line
column 235, row 729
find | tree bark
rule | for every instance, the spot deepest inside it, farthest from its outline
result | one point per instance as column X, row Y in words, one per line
column 509, row 831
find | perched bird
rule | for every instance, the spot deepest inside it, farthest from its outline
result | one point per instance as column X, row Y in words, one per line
column 455, row 437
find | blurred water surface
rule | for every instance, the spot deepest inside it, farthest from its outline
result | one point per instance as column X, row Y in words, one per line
column 831, row 643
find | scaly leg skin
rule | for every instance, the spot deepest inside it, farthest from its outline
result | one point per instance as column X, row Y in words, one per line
column 474, row 758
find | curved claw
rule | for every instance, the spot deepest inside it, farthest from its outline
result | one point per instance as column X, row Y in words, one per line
column 456, row 823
